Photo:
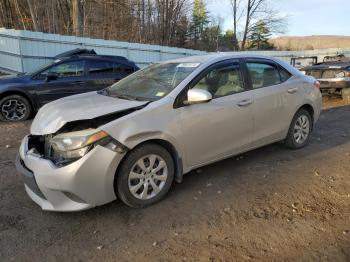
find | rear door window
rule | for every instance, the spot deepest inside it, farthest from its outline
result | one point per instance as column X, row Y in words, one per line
column 123, row 69
column 284, row 74
column 100, row 67
column 263, row 74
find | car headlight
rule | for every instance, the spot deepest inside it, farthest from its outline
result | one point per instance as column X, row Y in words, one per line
column 340, row 75
column 76, row 144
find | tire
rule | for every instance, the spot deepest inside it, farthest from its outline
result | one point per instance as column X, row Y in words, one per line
column 345, row 93
column 134, row 184
column 14, row 108
column 293, row 133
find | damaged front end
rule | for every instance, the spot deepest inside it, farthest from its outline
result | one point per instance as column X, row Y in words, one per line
column 66, row 148
column 75, row 139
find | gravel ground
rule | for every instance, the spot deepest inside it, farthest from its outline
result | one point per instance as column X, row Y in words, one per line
column 271, row 204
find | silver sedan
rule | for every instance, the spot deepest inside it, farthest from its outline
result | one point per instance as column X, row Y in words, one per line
column 133, row 139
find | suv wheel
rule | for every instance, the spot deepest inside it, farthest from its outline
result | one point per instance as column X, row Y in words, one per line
column 299, row 130
column 145, row 176
column 14, row 108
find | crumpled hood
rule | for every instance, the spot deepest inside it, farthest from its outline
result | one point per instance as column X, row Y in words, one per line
column 56, row 114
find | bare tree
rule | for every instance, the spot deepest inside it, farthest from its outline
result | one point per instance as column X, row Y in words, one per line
column 33, row 15
column 237, row 15
column 77, row 11
column 260, row 10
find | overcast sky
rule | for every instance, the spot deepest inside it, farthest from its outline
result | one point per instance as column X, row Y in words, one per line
column 306, row 17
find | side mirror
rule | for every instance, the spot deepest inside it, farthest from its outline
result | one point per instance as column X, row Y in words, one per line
column 197, row 96
column 51, row 77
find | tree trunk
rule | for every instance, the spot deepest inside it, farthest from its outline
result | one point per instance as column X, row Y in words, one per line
column 77, row 17
column 33, row 15
column 246, row 27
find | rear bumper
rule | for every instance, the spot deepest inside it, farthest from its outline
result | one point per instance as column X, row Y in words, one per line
column 86, row 183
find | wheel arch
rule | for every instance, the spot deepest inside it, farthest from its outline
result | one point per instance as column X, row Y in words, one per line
column 20, row 93
column 309, row 108
column 167, row 146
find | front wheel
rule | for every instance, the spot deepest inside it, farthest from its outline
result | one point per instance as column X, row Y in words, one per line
column 14, row 108
column 145, row 176
column 299, row 130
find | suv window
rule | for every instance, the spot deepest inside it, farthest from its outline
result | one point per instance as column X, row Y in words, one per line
column 263, row 74
column 64, row 70
column 99, row 67
column 222, row 80
column 127, row 69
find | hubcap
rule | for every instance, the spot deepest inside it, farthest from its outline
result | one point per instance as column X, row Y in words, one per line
column 13, row 109
column 301, row 129
column 147, row 177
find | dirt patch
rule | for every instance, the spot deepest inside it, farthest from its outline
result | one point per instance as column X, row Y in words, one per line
column 331, row 102
column 269, row 204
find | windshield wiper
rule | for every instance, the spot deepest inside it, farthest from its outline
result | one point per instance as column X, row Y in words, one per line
column 104, row 92
column 127, row 97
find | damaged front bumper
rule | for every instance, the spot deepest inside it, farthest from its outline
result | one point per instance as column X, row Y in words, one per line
column 83, row 184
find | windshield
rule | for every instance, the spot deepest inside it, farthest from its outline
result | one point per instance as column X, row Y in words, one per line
column 37, row 70
column 153, row 82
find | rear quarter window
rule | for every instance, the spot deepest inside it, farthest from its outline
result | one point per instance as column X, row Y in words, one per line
column 284, row 74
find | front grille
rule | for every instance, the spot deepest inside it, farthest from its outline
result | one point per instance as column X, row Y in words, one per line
column 37, row 144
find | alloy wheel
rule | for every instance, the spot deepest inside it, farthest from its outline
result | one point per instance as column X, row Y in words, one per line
column 301, row 129
column 147, row 177
column 13, row 109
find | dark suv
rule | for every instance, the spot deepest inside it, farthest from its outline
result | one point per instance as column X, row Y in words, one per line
column 73, row 72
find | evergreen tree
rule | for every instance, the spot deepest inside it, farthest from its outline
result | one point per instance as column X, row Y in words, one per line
column 259, row 37
column 199, row 20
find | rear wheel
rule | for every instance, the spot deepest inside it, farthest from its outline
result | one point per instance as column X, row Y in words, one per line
column 299, row 130
column 145, row 176
column 14, row 108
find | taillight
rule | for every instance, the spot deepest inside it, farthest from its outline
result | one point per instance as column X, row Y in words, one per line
column 317, row 84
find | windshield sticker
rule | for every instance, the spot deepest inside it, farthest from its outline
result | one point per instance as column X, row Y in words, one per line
column 160, row 94
column 188, row 65
column 57, row 60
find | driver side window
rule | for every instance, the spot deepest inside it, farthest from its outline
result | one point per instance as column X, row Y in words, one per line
column 64, row 70
column 222, row 80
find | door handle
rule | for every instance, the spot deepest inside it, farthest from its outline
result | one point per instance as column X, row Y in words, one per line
column 245, row 102
column 292, row 90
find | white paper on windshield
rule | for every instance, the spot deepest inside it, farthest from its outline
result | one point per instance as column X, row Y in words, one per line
column 188, row 65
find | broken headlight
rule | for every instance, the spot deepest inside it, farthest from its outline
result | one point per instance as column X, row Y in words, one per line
column 73, row 145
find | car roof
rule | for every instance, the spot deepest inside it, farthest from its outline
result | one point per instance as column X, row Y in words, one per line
column 217, row 57
column 120, row 59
